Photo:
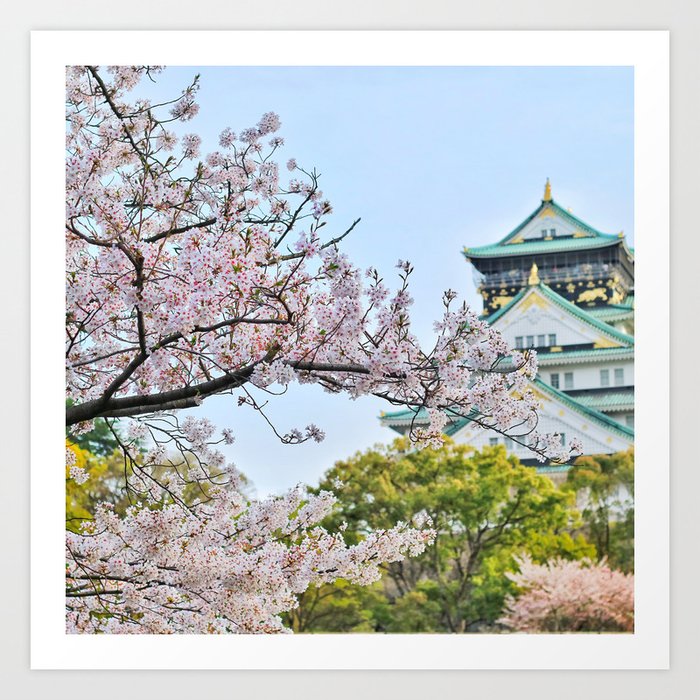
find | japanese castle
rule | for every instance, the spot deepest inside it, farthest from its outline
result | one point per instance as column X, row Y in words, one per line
column 559, row 286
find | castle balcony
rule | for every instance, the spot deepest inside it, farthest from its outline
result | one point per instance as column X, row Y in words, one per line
column 518, row 277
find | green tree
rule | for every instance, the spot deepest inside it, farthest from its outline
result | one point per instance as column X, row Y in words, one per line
column 99, row 441
column 484, row 506
column 604, row 485
column 114, row 479
column 337, row 607
column 104, row 484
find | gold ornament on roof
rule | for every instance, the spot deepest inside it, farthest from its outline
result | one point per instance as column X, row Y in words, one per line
column 534, row 278
column 547, row 192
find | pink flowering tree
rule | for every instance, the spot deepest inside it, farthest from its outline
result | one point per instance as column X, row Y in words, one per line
column 190, row 276
column 570, row 596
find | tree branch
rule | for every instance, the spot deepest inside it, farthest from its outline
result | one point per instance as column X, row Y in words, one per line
column 181, row 229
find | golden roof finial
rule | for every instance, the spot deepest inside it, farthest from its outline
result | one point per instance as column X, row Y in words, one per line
column 534, row 278
column 547, row 192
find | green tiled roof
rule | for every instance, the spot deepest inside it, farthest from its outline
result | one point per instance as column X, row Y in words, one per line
column 553, row 468
column 589, row 238
column 567, row 306
column 404, row 417
column 613, row 312
column 549, row 359
column 410, row 416
column 609, row 401
column 556, row 245
column 575, row 405
column 401, row 418
column 595, row 354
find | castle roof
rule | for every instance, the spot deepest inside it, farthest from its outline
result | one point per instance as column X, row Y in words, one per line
column 548, row 293
column 398, row 419
column 578, row 235
column 608, row 401
column 585, row 356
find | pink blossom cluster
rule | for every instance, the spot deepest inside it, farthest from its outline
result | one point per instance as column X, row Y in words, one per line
column 570, row 596
column 224, row 566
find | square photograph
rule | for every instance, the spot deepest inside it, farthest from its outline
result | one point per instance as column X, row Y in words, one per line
column 349, row 349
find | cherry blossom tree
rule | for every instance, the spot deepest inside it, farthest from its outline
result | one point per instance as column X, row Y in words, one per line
column 570, row 596
column 224, row 567
column 189, row 277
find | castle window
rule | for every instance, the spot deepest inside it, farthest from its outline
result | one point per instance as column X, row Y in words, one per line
column 493, row 442
column 540, row 341
column 530, row 341
column 629, row 421
column 518, row 342
column 552, row 232
column 544, row 233
column 604, row 377
column 562, row 437
column 619, row 376
column 568, row 380
column 552, row 338
column 554, row 380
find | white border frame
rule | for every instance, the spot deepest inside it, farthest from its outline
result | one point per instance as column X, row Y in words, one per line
column 648, row 647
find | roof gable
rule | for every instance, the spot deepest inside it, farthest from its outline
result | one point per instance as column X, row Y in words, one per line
column 550, row 220
column 563, row 414
column 550, row 228
column 539, row 304
column 558, row 413
column 584, row 410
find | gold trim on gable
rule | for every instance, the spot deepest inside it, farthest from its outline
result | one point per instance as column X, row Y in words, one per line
column 536, row 392
column 533, row 299
column 605, row 343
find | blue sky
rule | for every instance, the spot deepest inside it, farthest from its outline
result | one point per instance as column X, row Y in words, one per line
column 432, row 159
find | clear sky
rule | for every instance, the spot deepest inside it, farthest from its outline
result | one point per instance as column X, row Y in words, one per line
column 431, row 159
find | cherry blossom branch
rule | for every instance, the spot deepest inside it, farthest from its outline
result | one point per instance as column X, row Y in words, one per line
column 180, row 229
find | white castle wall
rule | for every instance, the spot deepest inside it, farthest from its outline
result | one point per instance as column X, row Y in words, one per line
column 587, row 376
column 530, row 319
column 554, row 417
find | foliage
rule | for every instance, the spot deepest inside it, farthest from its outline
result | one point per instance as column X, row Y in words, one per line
column 605, row 488
column 110, row 479
column 104, row 484
column 336, row 607
column 570, row 596
column 99, row 441
column 484, row 507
